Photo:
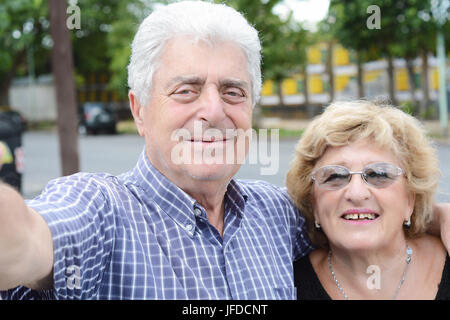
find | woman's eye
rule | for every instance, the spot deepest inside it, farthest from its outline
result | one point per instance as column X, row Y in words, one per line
column 377, row 174
column 335, row 176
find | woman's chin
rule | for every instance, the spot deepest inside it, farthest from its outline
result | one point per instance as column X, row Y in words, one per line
column 358, row 243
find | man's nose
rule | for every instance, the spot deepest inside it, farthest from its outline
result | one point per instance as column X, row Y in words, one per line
column 357, row 189
column 211, row 106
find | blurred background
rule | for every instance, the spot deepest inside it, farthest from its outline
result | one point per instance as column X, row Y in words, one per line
column 63, row 76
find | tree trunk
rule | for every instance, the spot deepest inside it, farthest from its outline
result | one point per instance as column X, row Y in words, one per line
column 412, row 84
column 391, row 81
column 62, row 66
column 309, row 107
column 280, row 92
column 425, row 84
column 330, row 70
column 360, row 76
column 4, row 92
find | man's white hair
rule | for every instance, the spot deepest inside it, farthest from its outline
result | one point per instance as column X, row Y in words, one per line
column 202, row 21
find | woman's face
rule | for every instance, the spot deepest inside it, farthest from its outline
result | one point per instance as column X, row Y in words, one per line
column 359, row 216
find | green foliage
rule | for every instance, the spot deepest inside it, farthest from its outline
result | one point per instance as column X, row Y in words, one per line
column 283, row 41
column 407, row 107
column 119, row 42
column 406, row 27
column 103, row 42
column 101, row 45
column 23, row 25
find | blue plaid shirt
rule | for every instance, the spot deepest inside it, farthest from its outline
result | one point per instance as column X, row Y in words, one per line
column 138, row 236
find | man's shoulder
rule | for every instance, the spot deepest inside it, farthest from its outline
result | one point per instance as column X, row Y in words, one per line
column 97, row 186
column 260, row 185
column 81, row 179
column 80, row 176
column 260, row 190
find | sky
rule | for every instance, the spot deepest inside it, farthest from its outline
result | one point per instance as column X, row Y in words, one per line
column 308, row 11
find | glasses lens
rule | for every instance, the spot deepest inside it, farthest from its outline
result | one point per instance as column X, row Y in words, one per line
column 381, row 175
column 332, row 177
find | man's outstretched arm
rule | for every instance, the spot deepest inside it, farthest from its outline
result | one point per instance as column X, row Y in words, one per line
column 26, row 246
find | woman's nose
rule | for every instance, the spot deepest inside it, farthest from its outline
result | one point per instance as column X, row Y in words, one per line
column 357, row 189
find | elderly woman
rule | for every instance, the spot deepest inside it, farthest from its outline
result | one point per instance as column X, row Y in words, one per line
column 364, row 176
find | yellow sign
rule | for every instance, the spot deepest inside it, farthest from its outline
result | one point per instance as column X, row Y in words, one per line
column 401, row 80
column 314, row 55
column 290, row 87
column 316, row 85
column 267, row 89
column 341, row 56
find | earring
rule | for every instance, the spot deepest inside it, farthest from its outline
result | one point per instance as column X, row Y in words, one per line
column 407, row 223
column 316, row 224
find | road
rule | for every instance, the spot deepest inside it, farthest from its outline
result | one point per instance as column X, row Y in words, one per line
column 119, row 153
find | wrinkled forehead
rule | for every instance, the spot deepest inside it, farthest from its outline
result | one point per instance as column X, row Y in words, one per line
column 191, row 57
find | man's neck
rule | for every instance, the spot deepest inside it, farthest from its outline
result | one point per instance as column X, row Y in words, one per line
column 212, row 200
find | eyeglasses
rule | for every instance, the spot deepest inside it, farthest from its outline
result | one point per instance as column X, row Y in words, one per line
column 378, row 175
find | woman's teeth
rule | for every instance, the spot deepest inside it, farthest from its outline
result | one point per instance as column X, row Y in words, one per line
column 361, row 216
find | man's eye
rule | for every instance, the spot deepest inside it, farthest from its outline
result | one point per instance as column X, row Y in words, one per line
column 234, row 93
column 183, row 91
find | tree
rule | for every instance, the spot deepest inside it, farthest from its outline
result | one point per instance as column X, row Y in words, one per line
column 283, row 41
column 404, row 32
column 23, row 32
column 323, row 35
column 62, row 66
column 347, row 22
column 416, row 37
column 285, row 53
column 122, row 31
column 25, row 37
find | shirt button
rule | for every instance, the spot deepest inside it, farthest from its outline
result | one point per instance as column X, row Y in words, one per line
column 189, row 227
column 197, row 212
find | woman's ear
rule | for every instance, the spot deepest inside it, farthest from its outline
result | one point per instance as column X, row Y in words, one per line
column 411, row 203
column 312, row 202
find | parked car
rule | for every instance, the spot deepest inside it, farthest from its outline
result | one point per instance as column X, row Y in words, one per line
column 11, row 150
column 95, row 117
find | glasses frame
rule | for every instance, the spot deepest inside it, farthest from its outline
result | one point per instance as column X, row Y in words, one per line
column 399, row 172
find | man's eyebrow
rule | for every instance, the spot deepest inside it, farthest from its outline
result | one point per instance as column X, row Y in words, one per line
column 185, row 80
column 234, row 83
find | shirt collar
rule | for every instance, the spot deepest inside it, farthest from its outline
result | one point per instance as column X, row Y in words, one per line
column 174, row 201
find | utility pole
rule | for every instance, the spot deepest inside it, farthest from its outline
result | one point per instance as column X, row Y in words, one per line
column 439, row 9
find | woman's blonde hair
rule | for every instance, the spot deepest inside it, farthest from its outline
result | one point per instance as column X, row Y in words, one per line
column 390, row 129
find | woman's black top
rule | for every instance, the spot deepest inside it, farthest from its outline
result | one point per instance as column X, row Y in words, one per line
column 310, row 288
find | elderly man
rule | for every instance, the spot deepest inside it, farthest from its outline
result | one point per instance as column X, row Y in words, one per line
column 172, row 227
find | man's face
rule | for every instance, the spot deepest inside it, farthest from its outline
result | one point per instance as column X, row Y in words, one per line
column 203, row 92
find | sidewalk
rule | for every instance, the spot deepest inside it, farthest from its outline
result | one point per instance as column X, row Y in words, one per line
column 433, row 127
